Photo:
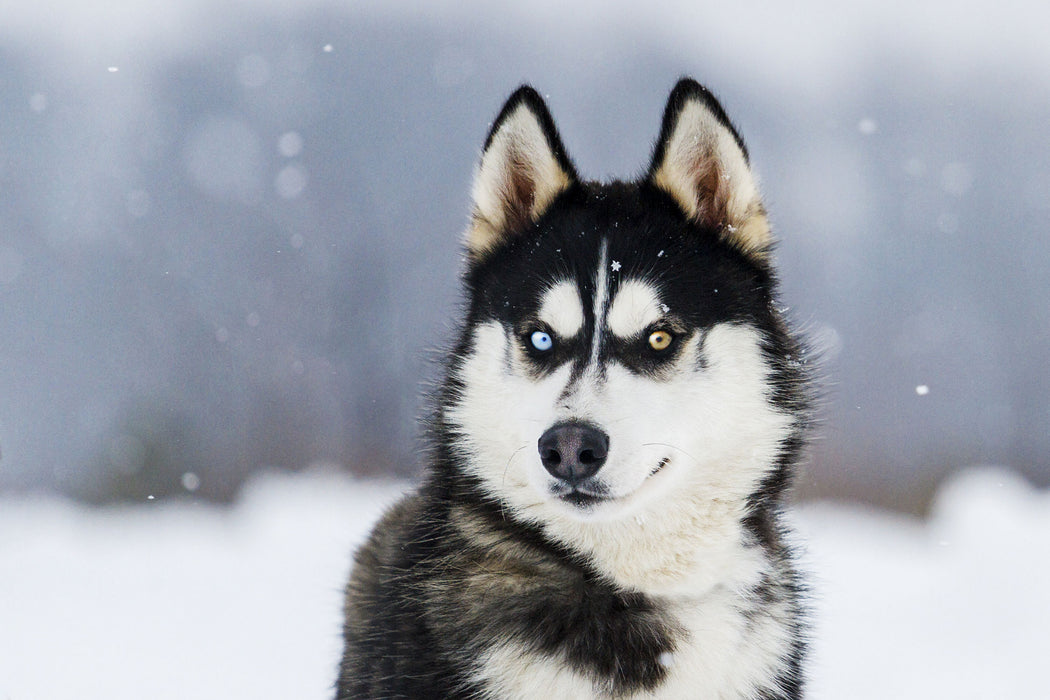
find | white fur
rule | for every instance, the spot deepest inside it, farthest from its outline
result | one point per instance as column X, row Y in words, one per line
column 720, row 434
column 562, row 310
column 601, row 296
column 715, row 426
column 676, row 534
column 512, row 672
column 501, row 415
column 635, row 307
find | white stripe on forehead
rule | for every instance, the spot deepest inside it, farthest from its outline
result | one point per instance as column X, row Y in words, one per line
column 601, row 296
column 634, row 308
column 562, row 310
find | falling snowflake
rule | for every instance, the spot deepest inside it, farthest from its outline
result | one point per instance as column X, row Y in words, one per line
column 665, row 308
column 615, row 266
column 190, row 481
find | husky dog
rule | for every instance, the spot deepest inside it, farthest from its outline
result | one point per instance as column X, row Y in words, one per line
column 618, row 423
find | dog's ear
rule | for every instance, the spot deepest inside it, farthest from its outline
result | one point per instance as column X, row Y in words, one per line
column 701, row 161
column 523, row 169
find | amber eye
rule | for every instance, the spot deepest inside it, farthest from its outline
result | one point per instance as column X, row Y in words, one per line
column 660, row 340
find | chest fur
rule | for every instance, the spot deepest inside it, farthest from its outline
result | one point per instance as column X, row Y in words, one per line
column 726, row 648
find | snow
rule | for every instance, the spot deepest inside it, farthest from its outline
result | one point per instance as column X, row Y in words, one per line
column 182, row 600
column 867, row 126
column 955, row 607
column 169, row 600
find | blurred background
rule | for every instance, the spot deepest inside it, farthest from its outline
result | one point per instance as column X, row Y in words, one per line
column 229, row 232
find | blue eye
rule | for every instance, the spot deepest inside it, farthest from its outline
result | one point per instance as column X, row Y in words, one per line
column 541, row 341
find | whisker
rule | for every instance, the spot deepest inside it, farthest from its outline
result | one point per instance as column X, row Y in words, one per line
column 664, row 444
column 505, row 470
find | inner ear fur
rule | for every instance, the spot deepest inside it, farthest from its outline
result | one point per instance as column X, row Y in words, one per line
column 702, row 163
column 523, row 169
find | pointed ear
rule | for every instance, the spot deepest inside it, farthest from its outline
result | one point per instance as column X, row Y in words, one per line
column 701, row 161
column 523, row 169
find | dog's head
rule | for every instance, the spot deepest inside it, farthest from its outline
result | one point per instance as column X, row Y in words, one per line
column 622, row 349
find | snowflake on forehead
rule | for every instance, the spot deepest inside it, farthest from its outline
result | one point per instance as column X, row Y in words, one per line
column 615, row 266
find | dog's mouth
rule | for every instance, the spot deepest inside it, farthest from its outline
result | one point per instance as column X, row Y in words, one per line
column 660, row 466
column 582, row 495
column 582, row 499
column 593, row 492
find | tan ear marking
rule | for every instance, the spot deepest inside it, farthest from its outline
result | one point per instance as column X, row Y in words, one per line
column 702, row 164
column 522, row 170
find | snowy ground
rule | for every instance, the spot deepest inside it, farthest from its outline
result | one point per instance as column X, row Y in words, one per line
column 185, row 601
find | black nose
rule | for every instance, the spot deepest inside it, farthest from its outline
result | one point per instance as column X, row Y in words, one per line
column 573, row 452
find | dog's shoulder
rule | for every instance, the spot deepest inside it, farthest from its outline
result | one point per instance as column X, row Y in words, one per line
column 384, row 546
column 389, row 651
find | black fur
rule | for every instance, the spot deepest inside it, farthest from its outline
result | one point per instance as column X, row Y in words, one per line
column 527, row 96
column 685, row 90
column 449, row 572
column 417, row 626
